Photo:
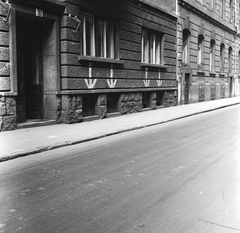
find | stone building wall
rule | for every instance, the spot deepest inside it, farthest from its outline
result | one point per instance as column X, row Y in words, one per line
column 101, row 83
column 75, row 86
column 205, row 84
column 7, row 102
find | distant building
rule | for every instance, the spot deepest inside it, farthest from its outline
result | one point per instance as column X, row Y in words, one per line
column 208, row 50
column 68, row 61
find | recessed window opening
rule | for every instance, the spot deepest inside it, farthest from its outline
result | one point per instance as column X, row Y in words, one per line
column 230, row 60
column 160, row 98
column 146, row 99
column 112, row 102
column 185, row 47
column 88, row 105
column 222, row 57
column 231, row 10
column 212, row 4
column 212, row 56
column 200, row 50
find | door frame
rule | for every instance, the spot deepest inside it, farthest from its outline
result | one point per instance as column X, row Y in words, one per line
column 50, row 93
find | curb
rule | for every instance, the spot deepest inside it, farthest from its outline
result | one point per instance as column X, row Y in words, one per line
column 15, row 155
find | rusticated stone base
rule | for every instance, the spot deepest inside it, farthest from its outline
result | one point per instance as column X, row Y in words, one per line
column 153, row 102
column 7, row 113
column 130, row 103
column 101, row 106
column 170, row 98
column 69, row 109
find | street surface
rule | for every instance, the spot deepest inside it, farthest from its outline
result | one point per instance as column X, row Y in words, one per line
column 178, row 177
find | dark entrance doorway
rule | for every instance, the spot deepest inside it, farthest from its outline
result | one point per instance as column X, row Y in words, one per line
column 230, row 86
column 29, row 69
column 186, row 88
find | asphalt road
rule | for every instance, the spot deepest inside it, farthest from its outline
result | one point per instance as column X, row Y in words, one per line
column 178, row 177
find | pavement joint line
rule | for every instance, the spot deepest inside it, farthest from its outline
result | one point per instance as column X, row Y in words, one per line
column 15, row 155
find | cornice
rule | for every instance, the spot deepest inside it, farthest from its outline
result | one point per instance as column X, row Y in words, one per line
column 198, row 8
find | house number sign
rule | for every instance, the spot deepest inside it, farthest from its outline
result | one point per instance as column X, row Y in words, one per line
column 39, row 13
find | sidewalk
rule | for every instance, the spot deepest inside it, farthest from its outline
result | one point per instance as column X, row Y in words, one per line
column 22, row 142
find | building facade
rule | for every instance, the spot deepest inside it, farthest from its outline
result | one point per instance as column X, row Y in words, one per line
column 208, row 50
column 71, row 60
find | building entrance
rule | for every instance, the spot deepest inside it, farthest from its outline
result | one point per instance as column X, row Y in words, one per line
column 186, row 88
column 29, row 69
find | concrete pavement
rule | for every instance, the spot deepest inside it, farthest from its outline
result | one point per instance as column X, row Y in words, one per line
column 22, row 142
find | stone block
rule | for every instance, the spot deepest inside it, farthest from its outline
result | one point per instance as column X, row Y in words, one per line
column 7, row 123
column 59, row 103
column 4, row 68
column 4, row 54
column 50, row 72
column 3, row 10
column 102, row 100
column 4, row 38
column 3, row 109
column 4, row 84
column 102, row 112
column 153, row 102
column 101, row 106
column 74, row 116
column 65, row 102
column 3, row 24
column 70, row 47
column 72, row 102
column 79, row 102
column 2, row 99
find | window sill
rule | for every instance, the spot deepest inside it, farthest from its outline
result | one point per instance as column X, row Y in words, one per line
column 153, row 65
column 100, row 59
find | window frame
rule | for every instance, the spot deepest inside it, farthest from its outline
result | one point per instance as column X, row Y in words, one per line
column 200, row 50
column 212, row 5
column 230, row 51
column 185, row 46
column 152, row 48
column 212, row 56
column 222, row 58
column 94, row 54
column 231, row 11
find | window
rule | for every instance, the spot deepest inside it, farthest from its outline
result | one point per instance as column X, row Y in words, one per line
column 222, row 57
column 200, row 50
column 222, row 8
column 212, row 56
column 230, row 60
column 185, row 47
column 152, row 47
column 98, row 37
column 212, row 4
column 231, row 10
